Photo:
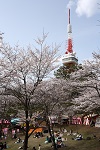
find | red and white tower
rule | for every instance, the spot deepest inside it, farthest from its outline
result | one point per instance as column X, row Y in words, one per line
column 69, row 59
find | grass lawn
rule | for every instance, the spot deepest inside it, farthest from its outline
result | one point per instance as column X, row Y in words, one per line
column 86, row 131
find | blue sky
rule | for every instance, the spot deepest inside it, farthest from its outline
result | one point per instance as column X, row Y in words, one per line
column 22, row 21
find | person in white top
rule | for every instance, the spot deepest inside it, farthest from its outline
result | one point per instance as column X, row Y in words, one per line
column 39, row 147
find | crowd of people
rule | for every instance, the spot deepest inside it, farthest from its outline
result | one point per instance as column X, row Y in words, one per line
column 38, row 134
column 3, row 145
column 58, row 136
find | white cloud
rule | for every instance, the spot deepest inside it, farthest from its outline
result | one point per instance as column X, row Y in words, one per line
column 87, row 7
column 70, row 4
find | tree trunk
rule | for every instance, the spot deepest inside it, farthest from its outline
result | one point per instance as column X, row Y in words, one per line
column 52, row 135
column 25, row 146
column 70, row 120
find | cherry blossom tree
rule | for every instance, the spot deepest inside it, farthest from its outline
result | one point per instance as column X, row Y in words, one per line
column 88, row 79
column 22, row 70
column 53, row 96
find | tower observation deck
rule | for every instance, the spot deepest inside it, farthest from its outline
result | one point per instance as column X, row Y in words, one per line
column 69, row 59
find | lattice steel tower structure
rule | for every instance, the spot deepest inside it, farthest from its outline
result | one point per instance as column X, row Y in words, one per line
column 69, row 59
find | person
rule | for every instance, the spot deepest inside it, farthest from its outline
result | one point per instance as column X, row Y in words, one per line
column 5, row 145
column 48, row 140
column 19, row 140
column 59, row 142
column 41, row 134
column 92, row 123
column 1, row 146
column 79, row 137
column 0, row 134
column 39, row 147
column 94, row 136
column 71, row 131
column 15, row 136
column 64, row 130
column 34, row 148
column 20, row 147
column 37, row 135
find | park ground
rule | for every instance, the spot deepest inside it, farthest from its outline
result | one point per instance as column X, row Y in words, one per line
column 91, row 143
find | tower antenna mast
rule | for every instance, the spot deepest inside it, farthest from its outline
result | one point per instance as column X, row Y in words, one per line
column 69, row 58
column 69, row 16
